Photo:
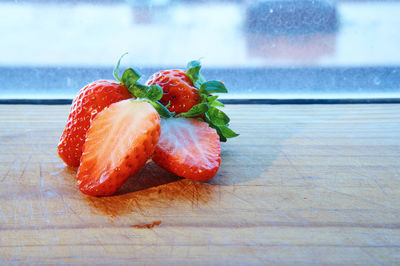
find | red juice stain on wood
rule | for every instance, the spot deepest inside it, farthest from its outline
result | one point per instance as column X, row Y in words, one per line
column 152, row 198
column 146, row 226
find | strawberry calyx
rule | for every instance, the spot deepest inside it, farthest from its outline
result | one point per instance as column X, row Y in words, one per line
column 161, row 109
column 207, row 109
column 151, row 94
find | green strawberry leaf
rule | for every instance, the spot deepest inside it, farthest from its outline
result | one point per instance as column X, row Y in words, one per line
column 212, row 86
column 138, row 90
column 224, row 132
column 193, row 73
column 217, row 104
column 196, row 110
column 130, row 77
column 193, row 70
column 227, row 132
column 217, row 117
column 212, row 101
column 154, row 93
column 222, row 138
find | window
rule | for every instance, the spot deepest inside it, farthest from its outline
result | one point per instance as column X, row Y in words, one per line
column 271, row 49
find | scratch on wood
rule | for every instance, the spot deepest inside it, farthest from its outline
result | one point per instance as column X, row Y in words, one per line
column 355, row 197
column 45, row 213
column 380, row 186
column 293, row 166
column 9, row 169
column 239, row 198
column 68, row 207
column 21, row 175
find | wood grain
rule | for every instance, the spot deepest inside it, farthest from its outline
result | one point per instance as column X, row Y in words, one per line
column 302, row 184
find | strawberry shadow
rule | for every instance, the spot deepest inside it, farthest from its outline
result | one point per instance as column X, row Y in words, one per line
column 153, row 190
column 248, row 158
column 149, row 176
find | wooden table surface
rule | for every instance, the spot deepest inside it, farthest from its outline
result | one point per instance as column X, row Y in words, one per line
column 302, row 184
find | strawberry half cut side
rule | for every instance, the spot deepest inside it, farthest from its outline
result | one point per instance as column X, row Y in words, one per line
column 188, row 148
column 118, row 143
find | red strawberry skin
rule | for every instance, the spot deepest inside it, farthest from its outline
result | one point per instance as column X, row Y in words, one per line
column 188, row 148
column 119, row 142
column 90, row 100
column 178, row 90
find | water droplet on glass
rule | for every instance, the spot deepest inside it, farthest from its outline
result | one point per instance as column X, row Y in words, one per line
column 377, row 81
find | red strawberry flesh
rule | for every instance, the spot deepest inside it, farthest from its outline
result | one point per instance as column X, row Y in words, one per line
column 188, row 148
column 119, row 142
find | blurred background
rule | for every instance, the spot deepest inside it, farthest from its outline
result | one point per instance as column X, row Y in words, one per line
column 262, row 49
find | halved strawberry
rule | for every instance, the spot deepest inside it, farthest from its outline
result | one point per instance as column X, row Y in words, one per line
column 188, row 148
column 91, row 100
column 118, row 143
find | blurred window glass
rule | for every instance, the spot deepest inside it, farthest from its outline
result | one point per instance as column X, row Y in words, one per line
column 260, row 48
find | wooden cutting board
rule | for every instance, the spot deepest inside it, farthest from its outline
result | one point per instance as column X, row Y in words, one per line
column 302, row 184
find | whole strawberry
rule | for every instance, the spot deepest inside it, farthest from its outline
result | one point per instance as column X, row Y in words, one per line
column 91, row 100
column 178, row 90
column 188, row 94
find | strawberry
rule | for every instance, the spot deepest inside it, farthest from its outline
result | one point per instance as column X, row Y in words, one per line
column 118, row 143
column 178, row 90
column 91, row 100
column 188, row 148
column 188, row 94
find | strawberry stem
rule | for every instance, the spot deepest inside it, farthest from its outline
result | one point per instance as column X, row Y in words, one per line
column 116, row 68
column 161, row 109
